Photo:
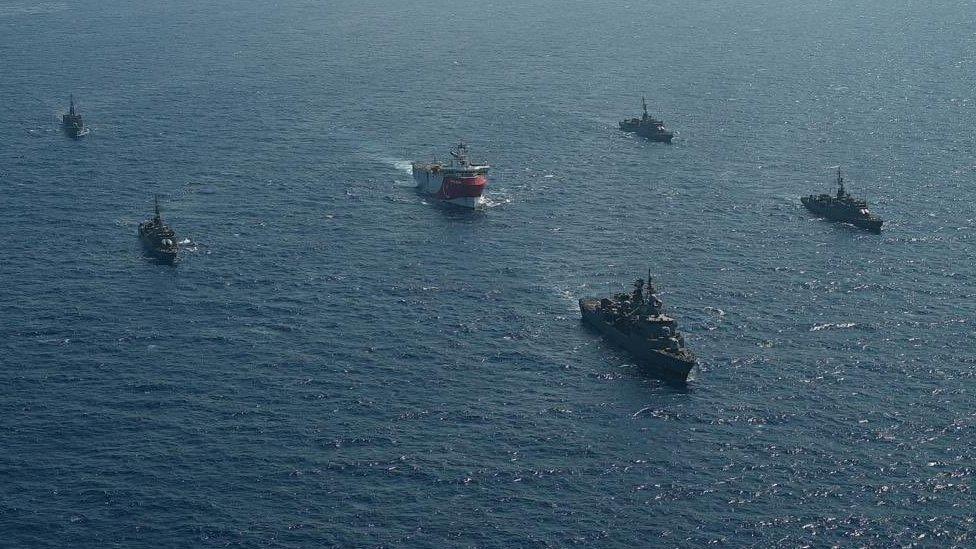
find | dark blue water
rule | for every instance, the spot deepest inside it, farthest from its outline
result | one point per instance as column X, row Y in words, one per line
column 338, row 361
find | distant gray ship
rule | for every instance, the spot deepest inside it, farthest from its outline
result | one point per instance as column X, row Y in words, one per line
column 158, row 238
column 843, row 207
column 73, row 125
column 637, row 323
column 648, row 127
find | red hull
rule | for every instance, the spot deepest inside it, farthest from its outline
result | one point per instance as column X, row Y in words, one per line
column 466, row 187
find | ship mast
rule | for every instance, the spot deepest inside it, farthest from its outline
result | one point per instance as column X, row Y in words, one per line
column 461, row 153
column 840, row 184
column 71, row 109
column 157, row 219
column 644, row 102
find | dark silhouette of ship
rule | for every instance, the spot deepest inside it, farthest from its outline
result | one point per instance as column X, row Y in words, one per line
column 636, row 322
column 158, row 238
column 74, row 126
column 648, row 127
column 843, row 207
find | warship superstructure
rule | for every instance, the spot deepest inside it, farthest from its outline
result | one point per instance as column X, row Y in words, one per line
column 843, row 208
column 459, row 182
column 648, row 127
column 637, row 322
column 73, row 125
column 158, row 238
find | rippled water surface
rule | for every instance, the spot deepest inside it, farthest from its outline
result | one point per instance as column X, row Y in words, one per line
column 337, row 360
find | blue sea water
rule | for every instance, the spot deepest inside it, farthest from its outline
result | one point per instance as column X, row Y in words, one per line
column 338, row 361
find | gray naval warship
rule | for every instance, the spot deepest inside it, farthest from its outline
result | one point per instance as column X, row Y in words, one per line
column 648, row 127
column 843, row 207
column 72, row 122
column 158, row 238
column 637, row 323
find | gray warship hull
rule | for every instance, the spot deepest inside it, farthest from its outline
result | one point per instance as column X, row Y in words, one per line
column 157, row 250
column 74, row 128
column 660, row 137
column 72, row 122
column 841, row 215
column 663, row 363
column 647, row 131
column 158, row 238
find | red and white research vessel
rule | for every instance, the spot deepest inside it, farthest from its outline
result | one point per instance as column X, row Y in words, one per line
column 460, row 182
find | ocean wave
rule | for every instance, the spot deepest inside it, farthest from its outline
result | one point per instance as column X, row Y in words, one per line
column 405, row 166
column 495, row 199
column 30, row 8
column 832, row 325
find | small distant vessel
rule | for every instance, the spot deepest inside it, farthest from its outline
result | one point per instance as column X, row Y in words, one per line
column 74, row 126
column 648, row 127
column 843, row 208
column 158, row 238
column 459, row 182
column 637, row 323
